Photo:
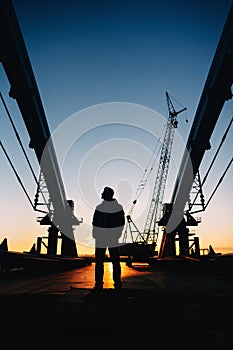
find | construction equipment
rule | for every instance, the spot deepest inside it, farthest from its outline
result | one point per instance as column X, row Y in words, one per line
column 216, row 91
column 176, row 218
column 24, row 89
column 144, row 244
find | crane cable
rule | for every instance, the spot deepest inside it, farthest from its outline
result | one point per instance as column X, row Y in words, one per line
column 143, row 181
column 182, row 106
column 219, row 182
column 146, row 174
column 215, row 156
column 16, row 174
column 18, row 138
column 211, row 165
column 24, row 152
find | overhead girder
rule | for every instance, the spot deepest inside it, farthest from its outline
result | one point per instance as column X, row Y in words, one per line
column 24, row 89
column 216, row 91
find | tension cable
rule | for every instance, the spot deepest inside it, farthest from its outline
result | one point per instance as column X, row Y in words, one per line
column 212, row 163
column 146, row 174
column 18, row 138
column 16, row 174
column 219, row 182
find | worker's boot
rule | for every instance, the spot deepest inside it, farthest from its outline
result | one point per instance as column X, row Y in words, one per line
column 98, row 286
column 118, row 285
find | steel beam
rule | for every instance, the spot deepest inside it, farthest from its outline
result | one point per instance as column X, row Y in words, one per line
column 24, row 89
column 217, row 90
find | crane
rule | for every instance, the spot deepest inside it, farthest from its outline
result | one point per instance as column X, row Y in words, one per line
column 147, row 241
column 155, row 210
column 23, row 88
column 176, row 219
column 216, row 91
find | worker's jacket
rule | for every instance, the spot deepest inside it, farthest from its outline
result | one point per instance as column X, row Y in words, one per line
column 108, row 223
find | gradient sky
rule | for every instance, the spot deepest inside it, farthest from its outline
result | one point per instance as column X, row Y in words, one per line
column 102, row 69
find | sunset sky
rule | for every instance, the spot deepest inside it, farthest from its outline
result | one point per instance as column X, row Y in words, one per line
column 102, row 69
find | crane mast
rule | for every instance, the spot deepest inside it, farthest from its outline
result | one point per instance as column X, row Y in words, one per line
column 155, row 210
column 143, row 246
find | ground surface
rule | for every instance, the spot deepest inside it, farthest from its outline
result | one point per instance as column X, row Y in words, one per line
column 173, row 307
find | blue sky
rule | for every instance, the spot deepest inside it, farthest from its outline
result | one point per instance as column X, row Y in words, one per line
column 89, row 56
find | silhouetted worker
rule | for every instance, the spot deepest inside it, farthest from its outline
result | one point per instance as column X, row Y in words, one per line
column 108, row 223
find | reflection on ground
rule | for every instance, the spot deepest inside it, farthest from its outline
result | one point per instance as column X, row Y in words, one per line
column 80, row 278
column 84, row 278
column 139, row 276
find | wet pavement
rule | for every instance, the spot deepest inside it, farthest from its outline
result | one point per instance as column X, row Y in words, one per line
column 188, row 309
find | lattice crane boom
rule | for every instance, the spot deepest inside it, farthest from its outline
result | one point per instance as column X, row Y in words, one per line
column 155, row 209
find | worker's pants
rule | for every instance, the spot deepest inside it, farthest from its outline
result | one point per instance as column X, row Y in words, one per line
column 99, row 266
